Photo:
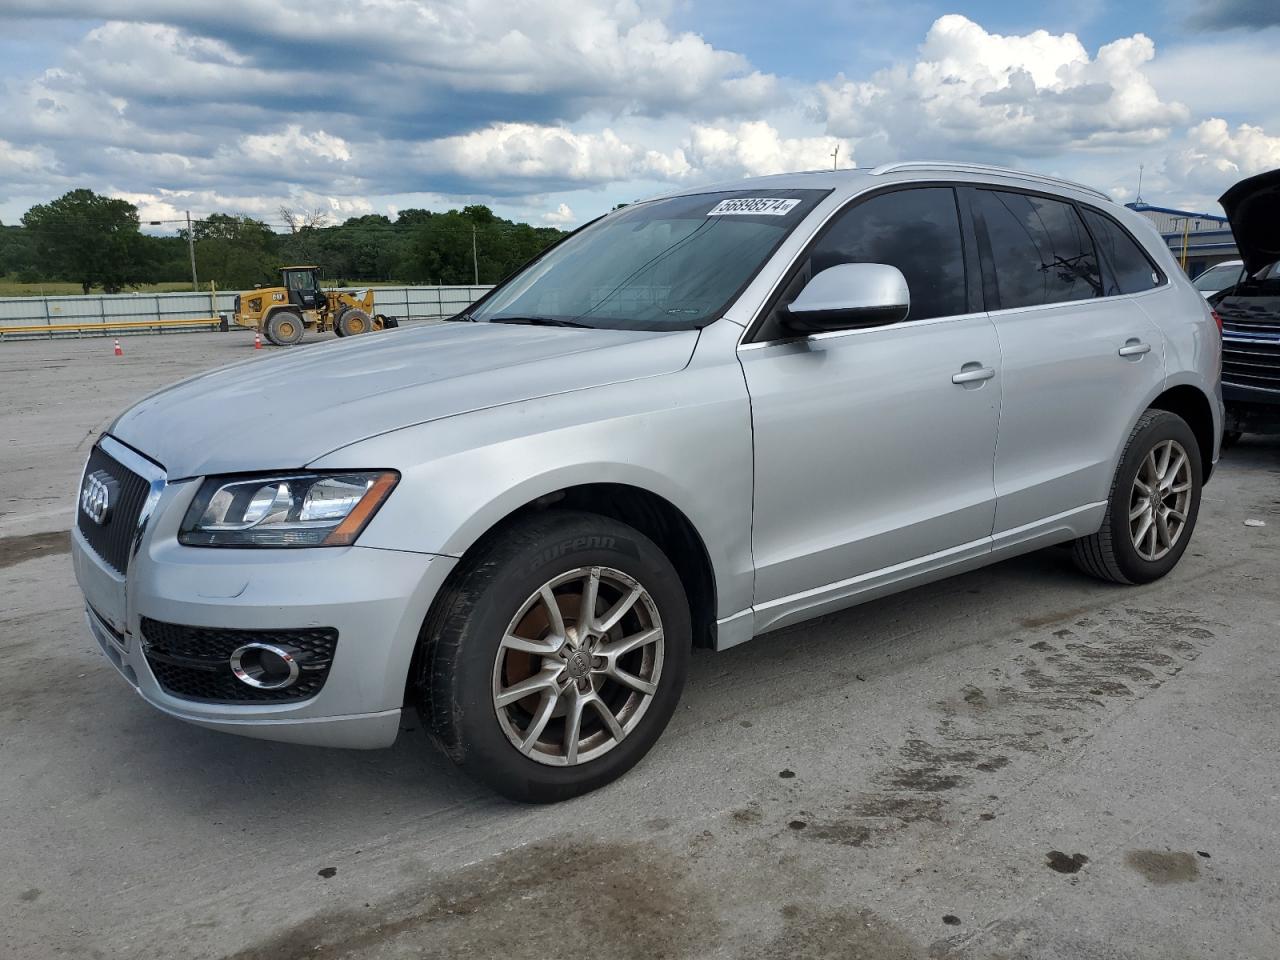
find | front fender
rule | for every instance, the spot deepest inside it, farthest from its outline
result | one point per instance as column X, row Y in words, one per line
column 685, row 437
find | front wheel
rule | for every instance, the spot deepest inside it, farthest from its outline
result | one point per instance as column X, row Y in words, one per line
column 1154, row 502
column 352, row 322
column 556, row 655
column 285, row 328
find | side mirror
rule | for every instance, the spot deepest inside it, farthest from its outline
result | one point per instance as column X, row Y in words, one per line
column 848, row 296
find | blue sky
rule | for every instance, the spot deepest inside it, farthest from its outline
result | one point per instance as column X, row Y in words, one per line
column 554, row 110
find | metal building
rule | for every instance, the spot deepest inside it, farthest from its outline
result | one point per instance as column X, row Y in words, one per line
column 1198, row 240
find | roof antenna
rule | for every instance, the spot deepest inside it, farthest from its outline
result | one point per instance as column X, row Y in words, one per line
column 1138, row 198
column 834, row 156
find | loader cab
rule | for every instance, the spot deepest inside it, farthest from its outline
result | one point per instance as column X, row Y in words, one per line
column 303, row 286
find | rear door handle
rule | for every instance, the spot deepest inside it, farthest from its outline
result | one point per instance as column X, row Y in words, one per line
column 1134, row 348
column 972, row 373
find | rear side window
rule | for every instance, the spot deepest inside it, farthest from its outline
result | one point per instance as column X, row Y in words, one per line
column 917, row 231
column 1040, row 250
column 1129, row 269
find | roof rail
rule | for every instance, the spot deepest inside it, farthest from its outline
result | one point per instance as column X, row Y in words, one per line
column 984, row 168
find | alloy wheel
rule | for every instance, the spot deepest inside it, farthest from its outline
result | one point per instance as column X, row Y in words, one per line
column 1160, row 499
column 578, row 666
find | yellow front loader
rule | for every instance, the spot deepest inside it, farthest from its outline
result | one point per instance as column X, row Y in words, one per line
column 283, row 314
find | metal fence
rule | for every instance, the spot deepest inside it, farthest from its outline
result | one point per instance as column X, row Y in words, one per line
column 114, row 314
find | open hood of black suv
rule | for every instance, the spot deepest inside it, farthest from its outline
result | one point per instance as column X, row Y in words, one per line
column 1253, row 207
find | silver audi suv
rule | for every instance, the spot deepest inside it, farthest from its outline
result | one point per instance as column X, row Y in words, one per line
column 697, row 419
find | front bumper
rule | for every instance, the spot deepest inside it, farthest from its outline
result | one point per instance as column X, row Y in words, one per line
column 375, row 599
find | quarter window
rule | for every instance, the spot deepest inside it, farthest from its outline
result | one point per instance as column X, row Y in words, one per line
column 1130, row 270
column 917, row 231
column 1040, row 250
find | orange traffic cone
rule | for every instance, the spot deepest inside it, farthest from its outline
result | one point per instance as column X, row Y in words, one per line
column 257, row 341
column 119, row 352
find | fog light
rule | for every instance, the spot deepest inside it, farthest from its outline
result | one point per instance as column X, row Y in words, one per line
column 265, row 666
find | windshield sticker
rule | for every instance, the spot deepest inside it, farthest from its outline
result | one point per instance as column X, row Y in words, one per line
column 753, row 206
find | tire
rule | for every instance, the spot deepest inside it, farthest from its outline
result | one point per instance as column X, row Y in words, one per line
column 352, row 322
column 388, row 323
column 1112, row 553
column 495, row 597
column 284, row 328
column 1230, row 438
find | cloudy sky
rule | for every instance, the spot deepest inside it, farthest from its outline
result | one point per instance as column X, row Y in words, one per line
column 554, row 110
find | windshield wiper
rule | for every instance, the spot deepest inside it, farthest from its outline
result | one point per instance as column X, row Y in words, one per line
column 540, row 321
column 459, row 318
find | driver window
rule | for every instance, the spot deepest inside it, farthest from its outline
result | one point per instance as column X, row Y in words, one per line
column 916, row 230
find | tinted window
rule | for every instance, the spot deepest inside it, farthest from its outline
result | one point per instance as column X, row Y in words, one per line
column 1129, row 270
column 1040, row 250
column 917, row 231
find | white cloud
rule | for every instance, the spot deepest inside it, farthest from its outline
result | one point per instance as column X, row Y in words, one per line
column 22, row 163
column 393, row 52
column 293, row 146
column 1027, row 95
column 756, row 149
column 559, row 217
column 1214, row 156
column 514, row 152
column 171, row 205
column 511, row 157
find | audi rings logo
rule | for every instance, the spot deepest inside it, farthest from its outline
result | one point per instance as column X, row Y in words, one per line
column 98, row 496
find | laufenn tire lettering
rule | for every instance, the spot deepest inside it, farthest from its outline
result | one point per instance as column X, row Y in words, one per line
column 568, row 546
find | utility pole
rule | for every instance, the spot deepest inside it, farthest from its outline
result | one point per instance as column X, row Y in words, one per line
column 835, row 155
column 474, row 258
column 191, row 249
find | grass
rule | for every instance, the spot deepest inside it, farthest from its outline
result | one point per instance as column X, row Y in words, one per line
column 9, row 287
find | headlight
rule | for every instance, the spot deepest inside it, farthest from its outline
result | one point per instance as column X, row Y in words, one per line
column 289, row 510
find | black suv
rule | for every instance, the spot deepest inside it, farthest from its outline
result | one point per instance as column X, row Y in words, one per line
column 1250, row 310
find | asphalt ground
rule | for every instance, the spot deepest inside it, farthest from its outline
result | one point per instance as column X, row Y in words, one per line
column 1018, row 762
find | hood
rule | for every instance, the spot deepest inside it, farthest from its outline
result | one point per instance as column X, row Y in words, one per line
column 284, row 411
column 1253, row 207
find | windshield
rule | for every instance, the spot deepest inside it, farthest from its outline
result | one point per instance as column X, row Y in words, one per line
column 669, row 264
column 1216, row 278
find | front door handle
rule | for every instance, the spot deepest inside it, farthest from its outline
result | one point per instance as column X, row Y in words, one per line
column 973, row 373
column 1134, row 348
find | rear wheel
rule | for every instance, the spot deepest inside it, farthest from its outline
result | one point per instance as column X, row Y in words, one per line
column 285, row 327
column 353, row 322
column 1152, row 509
column 556, row 656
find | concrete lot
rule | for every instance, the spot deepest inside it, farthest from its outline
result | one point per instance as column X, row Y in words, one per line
column 1019, row 762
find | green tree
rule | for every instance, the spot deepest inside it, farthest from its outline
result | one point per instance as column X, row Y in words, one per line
column 17, row 256
column 234, row 252
column 90, row 239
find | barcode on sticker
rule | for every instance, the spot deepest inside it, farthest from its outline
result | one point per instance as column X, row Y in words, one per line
column 755, row 206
